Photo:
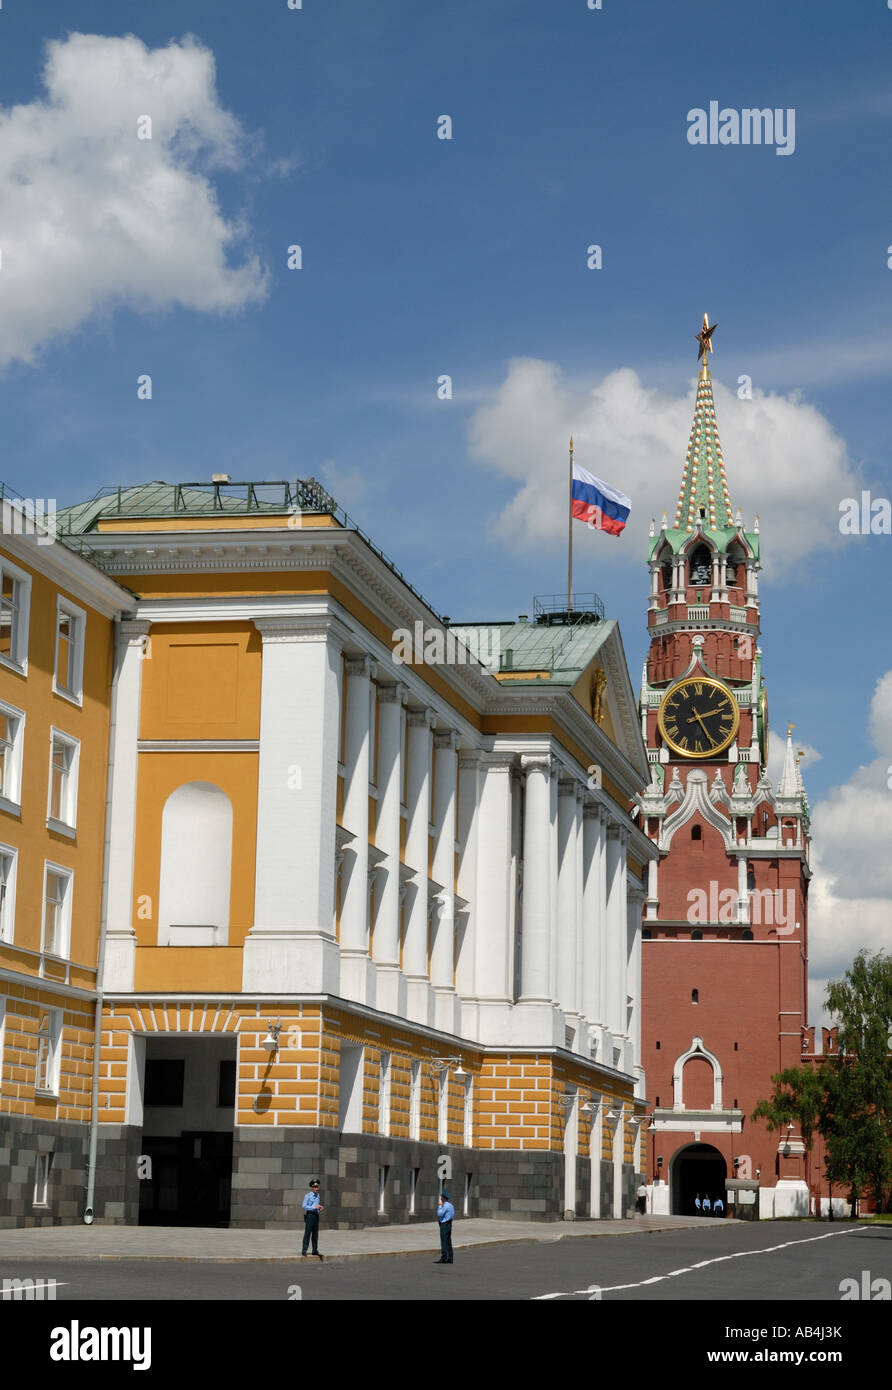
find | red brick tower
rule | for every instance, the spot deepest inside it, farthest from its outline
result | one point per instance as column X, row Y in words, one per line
column 725, row 952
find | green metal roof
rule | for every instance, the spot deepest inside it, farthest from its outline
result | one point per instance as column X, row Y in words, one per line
column 159, row 499
column 562, row 650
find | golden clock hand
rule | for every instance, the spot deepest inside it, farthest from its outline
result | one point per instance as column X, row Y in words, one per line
column 700, row 722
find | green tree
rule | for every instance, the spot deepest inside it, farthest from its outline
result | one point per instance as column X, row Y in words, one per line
column 847, row 1098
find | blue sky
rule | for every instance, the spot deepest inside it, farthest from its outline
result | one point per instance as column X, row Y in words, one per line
column 423, row 257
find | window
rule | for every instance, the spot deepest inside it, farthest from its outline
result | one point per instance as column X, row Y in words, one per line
column 226, row 1083
column 15, row 598
column 466, row 1201
column 42, row 1179
column 164, row 1082
column 69, row 650
column 696, row 832
column 413, row 1188
column 49, row 1051
column 746, row 935
column 12, row 726
column 62, row 798
column 383, row 1170
column 695, row 996
column 8, row 859
column 56, row 909
column 696, row 934
column 658, row 1046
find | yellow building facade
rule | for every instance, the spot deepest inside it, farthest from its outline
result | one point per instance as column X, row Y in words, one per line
column 365, row 894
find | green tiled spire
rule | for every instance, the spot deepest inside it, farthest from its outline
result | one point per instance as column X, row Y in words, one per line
column 703, row 483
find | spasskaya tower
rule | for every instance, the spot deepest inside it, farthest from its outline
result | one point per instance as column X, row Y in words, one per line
column 725, row 949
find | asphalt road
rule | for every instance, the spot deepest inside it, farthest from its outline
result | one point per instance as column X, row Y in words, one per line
column 770, row 1262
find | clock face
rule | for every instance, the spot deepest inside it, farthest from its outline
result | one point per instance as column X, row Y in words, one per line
column 699, row 717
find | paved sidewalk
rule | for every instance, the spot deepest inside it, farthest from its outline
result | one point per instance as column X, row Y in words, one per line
column 208, row 1243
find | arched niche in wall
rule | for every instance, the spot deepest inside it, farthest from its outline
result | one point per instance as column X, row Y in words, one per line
column 196, row 866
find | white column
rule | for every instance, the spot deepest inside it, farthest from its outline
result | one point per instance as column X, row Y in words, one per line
column 633, row 988
column 592, row 909
column 120, row 940
column 615, row 973
column 390, row 993
column 418, row 805
column 292, row 946
column 582, row 1038
column 571, row 1150
column 595, row 1143
column 486, row 965
column 619, row 1136
column 603, row 924
column 568, row 893
column 536, row 986
column 743, row 900
column 447, row 1013
column 357, row 971
column 653, row 901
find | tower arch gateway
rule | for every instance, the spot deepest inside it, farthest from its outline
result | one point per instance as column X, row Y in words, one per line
column 724, row 958
column 695, row 1169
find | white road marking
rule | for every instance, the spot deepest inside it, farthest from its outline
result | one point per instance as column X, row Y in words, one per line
column 689, row 1269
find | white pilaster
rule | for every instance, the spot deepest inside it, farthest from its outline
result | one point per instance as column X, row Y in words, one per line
column 569, row 891
column 447, row 1010
column 292, row 946
column 485, row 879
column 418, row 803
column 592, row 909
column 743, row 901
column 615, row 972
column 120, row 939
column 653, row 901
column 357, row 970
column 391, row 983
column 536, row 984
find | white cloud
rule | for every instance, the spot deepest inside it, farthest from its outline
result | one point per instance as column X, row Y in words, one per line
column 850, row 898
column 92, row 216
column 635, row 437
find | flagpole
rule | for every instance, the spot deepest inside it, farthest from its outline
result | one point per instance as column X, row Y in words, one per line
column 570, row 537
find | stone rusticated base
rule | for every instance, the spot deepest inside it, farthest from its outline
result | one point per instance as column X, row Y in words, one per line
column 22, row 1138
column 116, row 1194
column 271, row 1170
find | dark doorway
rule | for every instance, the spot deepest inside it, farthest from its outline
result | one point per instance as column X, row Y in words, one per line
column 696, row 1168
column 191, row 1180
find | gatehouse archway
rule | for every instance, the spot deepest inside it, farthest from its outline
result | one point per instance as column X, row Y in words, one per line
column 695, row 1168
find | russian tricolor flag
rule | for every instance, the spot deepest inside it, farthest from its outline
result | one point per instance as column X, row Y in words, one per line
column 598, row 503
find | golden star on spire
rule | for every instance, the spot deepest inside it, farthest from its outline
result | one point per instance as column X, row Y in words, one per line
column 704, row 338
